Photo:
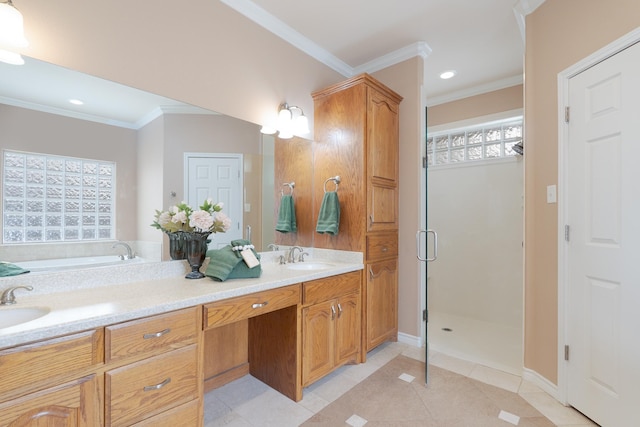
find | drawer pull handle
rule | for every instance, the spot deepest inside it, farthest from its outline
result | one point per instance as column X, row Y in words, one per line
column 157, row 386
column 339, row 310
column 333, row 312
column 385, row 249
column 157, row 334
column 260, row 305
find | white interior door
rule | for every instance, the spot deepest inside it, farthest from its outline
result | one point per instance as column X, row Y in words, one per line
column 603, row 253
column 218, row 176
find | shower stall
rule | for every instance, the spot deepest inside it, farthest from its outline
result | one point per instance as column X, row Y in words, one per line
column 475, row 288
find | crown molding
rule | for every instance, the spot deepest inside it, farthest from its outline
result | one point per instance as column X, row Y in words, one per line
column 476, row 90
column 67, row 113
column 421, row 49
column 269, row 22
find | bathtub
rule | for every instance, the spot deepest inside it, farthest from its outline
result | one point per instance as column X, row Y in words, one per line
column 75, row 263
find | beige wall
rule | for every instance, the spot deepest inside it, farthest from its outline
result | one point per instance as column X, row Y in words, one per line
column 202, row 53
column 506, row 99
column 559, row 34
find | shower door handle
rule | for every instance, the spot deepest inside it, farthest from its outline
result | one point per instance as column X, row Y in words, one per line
column 435, row 245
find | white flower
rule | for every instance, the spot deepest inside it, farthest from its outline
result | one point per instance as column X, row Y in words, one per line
column 179, row 217
column 164, row 218
column 201, row 220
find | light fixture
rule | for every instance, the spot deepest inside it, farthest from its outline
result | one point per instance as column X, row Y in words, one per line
column 291, row 121
column 11, row 33
column 447, row 74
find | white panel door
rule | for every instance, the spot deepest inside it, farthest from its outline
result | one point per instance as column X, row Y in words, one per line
column 217, row 177
column 603, row 256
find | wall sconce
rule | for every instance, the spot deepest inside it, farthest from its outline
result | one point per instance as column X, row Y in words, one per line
column 288, row 123
column 11, row 33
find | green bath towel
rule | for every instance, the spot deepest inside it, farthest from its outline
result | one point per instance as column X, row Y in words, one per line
column 329, row 216
column 8, row 269
column 287, row 215
column 226, row 263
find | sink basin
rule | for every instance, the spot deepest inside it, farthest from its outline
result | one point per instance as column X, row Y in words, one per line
column 309, row 266
column 15, row 316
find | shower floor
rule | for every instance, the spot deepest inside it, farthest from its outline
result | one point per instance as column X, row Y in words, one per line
column 489, row 344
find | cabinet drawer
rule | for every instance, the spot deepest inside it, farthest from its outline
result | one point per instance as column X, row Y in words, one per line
column 382, row 246
column 230, row 310
column 184, row 415
column 331, row 287
column 152, row 335
column 47, row 362
column 151, row 386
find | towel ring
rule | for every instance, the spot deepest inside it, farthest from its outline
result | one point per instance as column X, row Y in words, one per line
column 291, row 185
column 336, row 180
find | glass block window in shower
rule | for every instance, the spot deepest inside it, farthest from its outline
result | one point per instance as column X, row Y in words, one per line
column 48, row 198
column 487, row 141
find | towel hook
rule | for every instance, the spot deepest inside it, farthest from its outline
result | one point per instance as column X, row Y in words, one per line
column 291, row 185
column 336, row 180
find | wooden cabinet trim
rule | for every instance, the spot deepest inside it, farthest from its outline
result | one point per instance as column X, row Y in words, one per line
column 330, row 287
column 244, row 307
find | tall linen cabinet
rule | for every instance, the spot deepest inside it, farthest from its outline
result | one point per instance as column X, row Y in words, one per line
column 356, row 126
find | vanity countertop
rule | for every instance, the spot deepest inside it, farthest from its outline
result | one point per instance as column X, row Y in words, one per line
column 138, row 291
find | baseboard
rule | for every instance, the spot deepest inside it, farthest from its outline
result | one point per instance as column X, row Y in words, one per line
column 409, row 339
column 541, row 382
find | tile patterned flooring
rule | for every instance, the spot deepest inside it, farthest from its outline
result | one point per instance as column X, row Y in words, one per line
column 248, row 402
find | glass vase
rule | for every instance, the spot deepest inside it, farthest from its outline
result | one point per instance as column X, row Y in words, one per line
column 196, row 248
column 177, row 249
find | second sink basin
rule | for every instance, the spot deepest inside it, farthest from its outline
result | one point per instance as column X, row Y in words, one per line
column 308, row 266
column 15, row 316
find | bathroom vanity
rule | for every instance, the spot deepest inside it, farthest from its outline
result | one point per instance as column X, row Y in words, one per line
column 139, row 345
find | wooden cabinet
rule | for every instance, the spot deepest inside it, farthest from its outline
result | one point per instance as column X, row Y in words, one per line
column 52, row 382
column 330, row 324
column 356, row 125
column 156, row 368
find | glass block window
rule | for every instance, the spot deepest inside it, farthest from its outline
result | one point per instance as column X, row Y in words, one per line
column 50, row 198
column 481, row 142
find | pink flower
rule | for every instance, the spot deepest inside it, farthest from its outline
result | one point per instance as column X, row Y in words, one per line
column 180, row 217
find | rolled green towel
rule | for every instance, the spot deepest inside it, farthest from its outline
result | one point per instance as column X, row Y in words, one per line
column 7, row 269
column 221, row 263
column 287, row 215
column 329, row 216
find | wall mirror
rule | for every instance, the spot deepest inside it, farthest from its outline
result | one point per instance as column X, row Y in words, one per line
column 148, row 149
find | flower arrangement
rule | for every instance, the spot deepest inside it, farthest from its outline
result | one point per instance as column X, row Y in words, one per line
column 181, row 217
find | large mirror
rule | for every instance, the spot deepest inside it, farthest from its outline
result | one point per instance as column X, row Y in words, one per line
column 146, row 136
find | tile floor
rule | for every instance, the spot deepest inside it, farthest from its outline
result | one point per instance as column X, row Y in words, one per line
column 248, row 402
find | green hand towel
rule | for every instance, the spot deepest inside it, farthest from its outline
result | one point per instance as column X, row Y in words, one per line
column 287, row 215
column 242, row 271
column 329, row 216
column 8, row 269
column 221, row 263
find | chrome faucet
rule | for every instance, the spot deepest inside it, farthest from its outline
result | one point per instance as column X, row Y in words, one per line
column 292, row 253
column 129, row 255
column 8, row 298
column 273, row 247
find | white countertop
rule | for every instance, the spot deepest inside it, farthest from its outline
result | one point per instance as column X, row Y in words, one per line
column 95, row 297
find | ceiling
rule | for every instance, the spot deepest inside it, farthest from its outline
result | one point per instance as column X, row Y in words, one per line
column 481, row 39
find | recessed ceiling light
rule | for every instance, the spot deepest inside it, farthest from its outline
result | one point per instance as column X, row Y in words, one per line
column 76, row 102
column 447, row 74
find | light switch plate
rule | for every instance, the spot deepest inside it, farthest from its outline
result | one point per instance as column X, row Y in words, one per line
column 551, row 194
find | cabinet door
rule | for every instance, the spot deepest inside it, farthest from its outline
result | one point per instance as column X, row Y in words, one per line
column 317, row 341
column 347, row 328
column 382, row 302
column 382, row 162
column 74, row 404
